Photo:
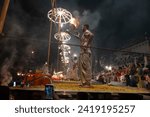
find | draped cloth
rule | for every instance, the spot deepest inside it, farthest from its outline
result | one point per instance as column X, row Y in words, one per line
column 85, row 67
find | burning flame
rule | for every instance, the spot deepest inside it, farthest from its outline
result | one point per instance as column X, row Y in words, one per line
column 75, row 22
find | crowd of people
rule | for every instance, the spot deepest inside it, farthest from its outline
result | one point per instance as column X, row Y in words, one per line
column 130, row 75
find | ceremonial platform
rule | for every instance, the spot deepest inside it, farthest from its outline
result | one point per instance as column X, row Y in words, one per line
column 72, row 90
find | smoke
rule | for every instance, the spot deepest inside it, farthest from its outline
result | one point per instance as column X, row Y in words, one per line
column 88, row 17
column 6, row 76
column 15, row 27
column 114, row 22
column 16, row 45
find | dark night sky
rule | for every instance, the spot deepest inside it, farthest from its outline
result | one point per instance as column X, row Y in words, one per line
column 116, row 21
column 113, row 22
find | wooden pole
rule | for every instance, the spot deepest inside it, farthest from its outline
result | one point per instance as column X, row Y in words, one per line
column 3, row 14
column 50, row 34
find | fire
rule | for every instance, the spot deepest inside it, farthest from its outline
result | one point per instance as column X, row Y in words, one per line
column 58, row 75
column 74, row 22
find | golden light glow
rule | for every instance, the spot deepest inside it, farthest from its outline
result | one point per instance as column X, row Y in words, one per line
column 74, row 22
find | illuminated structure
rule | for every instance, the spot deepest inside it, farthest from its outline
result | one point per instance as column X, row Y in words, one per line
column 62, row 36
column 61, row 16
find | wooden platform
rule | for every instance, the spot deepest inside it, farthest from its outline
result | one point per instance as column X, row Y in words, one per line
column 74, row 87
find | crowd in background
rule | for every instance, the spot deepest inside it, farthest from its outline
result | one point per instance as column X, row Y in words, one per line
column 130, row 75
